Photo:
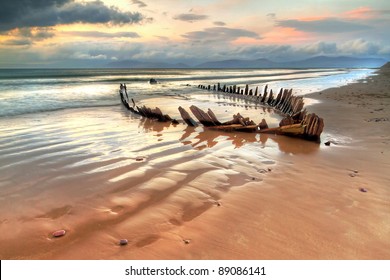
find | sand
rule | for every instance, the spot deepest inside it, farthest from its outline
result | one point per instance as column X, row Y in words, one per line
column 207, row 195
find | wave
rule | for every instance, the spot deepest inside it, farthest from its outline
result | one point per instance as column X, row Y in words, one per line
column 32, row 110
column 38, row 76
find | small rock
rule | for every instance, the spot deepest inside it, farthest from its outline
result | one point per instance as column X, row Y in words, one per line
column 123, row 242
column 327, row 143
column 253, row 178
column 269, row 169
column 363, row 190
column 356, row 171
column 59, row 233
column 218, row 204
column 139, row 158
column 352, row 174
column 186, row 241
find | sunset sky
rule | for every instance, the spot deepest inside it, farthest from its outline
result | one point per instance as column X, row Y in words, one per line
column 57, row 33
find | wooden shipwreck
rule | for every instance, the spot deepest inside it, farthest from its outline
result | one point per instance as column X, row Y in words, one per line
column 296, row 122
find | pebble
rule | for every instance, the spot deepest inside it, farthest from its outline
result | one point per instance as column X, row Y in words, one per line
column 269, row 169
column 186, row 241
column 218, row 204
column 59, row 233
column 352, row 174
column 123, row 242
column 363, row 190
column 139, row 158
column 327, row 143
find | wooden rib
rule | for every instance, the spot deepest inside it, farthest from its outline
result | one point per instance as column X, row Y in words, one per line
column 213, row 117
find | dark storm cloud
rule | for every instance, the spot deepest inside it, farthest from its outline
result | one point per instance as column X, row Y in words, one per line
column 328, row 25
column 44, row 13
column 222, row 34
column 190, row 17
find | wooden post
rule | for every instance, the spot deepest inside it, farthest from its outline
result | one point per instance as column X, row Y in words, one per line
column 270, row 98
column 264, row 96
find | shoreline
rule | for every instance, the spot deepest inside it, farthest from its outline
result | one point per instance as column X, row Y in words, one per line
column 294, row 200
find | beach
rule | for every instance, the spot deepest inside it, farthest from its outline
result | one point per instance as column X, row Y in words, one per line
column 176, row 192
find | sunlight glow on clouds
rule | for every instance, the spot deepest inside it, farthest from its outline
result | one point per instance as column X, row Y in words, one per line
column 59, row 32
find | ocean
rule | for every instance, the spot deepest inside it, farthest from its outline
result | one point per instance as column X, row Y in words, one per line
column 24, row 91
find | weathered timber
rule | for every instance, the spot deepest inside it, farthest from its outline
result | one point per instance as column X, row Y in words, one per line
column 270, row 98
column 146, row 112
column 308, row 126
column 202, row 116
column 264, row 97
column 263, row 124
column 213, row 117
column 289, row 130
column 235, row 127
column 186, row 117
column 296, row 122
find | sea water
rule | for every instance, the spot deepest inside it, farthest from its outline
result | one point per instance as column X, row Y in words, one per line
column 24, row 91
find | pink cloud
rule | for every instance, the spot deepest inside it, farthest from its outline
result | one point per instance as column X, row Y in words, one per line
column 361, row 13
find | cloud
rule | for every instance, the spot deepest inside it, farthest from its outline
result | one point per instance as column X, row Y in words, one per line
column 27, row 36
column 219, row 23
column 18, row 42
column 139, row 3
column 320, row 48
column 327, row 25
column 271, row 16
column 357, row 47
column 360, row 47
column 366, row 13
column 98, row 34
column 190, row 17
column 98, row 53
column 220, row 34
column 34, row 33
column 46, row 13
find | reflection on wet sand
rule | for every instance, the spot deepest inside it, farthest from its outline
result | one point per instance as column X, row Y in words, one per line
column 202, row 138
column 152, row 125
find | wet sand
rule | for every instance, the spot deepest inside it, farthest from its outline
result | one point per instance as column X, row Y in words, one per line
column 199, row 194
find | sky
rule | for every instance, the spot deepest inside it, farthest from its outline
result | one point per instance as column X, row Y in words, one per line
column 81, row 33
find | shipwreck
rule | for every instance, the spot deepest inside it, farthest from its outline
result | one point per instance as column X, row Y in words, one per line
column 296, row 122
